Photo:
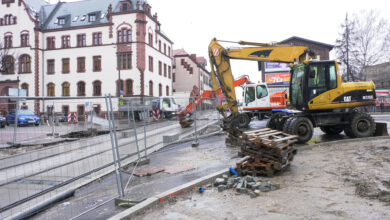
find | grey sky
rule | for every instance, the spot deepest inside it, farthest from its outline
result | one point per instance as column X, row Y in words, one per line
column 191, row 24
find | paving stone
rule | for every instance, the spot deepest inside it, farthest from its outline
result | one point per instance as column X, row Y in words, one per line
column 255, row 186
column 250, row 184
column 225, row 176
column 253, row 195
column 221, row 188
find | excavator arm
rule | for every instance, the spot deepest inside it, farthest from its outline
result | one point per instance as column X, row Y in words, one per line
column 199, row 99
column 222, row 76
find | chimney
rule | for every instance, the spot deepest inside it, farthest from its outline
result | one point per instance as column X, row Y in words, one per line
column 137, row 5
column 193, row 56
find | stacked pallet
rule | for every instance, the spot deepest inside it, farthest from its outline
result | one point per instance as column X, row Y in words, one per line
column 269, row 151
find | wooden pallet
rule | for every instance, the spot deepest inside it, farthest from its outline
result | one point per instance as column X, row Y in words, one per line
column 269, row 151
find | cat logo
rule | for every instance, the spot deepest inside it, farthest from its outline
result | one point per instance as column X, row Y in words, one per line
column 347, row 98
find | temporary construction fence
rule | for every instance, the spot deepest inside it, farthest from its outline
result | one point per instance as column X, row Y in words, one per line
column 53, row 146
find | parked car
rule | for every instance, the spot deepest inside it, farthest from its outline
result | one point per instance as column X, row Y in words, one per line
column 25, row 117
column 2, row 121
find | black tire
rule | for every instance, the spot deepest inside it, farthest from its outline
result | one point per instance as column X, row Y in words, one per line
column 276, row 121
column 332, row 130
column 286, row 126
column 303, row 128
column 244, row 120
column 362, row 125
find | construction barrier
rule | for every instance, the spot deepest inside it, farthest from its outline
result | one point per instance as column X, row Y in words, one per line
column 156, row 115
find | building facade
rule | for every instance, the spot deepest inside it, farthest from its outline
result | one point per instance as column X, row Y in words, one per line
column 85, row 48
column 190, row 76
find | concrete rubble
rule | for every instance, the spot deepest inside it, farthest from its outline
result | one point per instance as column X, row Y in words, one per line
column 250, row 185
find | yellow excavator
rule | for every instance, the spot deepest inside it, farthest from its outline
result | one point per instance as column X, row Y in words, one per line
column 318, row 98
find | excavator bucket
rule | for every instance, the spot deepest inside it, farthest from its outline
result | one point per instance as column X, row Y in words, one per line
column 381, row 129
column 187, row 122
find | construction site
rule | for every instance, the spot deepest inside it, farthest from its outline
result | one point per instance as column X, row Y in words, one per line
column 300, row 137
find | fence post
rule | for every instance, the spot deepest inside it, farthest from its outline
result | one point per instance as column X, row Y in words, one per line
column 135, row 130
column 145, row 132
column 128, row 113
column 195, row 142
column 16, row 120
column 112, row 130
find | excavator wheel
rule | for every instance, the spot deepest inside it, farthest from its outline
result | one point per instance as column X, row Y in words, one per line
column 244, row 120
column 276, row 121
column 286, row 126
column 303, row 128
column 362, row 125
column 332, row 130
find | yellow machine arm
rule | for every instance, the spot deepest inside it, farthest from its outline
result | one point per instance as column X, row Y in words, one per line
column 222, row 73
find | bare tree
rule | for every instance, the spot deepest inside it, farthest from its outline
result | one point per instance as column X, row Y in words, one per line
column 365, row 41
column 372, row 41
column 344, row 46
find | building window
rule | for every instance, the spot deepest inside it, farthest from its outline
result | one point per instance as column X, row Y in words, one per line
column 97, row 88
column 65, row 89
column 150, row 63
column 159, row 68
column 51, row 43
column 80, row 111
column 80, row 64
column 61, row 21
column 8, row 64
column 24, row 40
column 8, row 41
column 25, row 87
column 124, row 61
column 65, row 41
column 151, row 39
column 169, row 51
column 173, row 77
column 165, row 49
column 159, row 89
column 81, row 40
column 51, row 89
column 159, row 45
column 165, row 70
column 97, row 38
column 167, row 90
column 151, row 88
column 191, row 71
column 169, row 71
column 96, row 109
column 91, row 17
column 124, row 6
column 81, row 88
column 124, row 35
column 97, row 63
column 50, row 66
column 24, row 64
column 119, row 87
column 65, row 65
column 65, row 109
column 129, row 87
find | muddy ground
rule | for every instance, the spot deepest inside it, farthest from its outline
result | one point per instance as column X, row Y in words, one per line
column 342, row 181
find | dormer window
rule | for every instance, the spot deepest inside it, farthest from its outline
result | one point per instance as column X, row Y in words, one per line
column 75, row 18
column 83, row 18
column 102, row 16
column 61, row 21
column 91, row 17
column 125, row 6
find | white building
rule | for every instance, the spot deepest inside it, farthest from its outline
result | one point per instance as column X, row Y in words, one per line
column 75, row 48
column 190, row 76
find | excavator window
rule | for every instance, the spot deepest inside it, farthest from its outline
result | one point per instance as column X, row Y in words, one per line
column 332, row 77
column 317, row 80
column 250, row 94
column 261, row 91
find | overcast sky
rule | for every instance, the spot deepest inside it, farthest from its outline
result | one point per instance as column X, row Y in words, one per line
column 191, row 24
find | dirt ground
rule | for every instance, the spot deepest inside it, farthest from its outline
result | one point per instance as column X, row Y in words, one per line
column 342, row 181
